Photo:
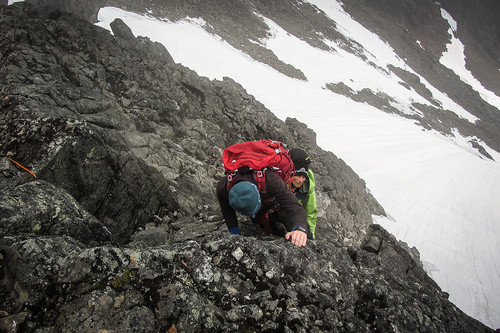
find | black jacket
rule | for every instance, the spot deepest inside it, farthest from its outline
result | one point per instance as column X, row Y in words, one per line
column 275, row 187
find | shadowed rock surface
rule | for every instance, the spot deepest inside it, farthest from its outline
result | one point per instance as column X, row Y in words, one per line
column 121, row 230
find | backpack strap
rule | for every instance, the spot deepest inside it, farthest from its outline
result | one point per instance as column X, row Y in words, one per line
column 259, row 176
column 230, row 181
column 260, row 179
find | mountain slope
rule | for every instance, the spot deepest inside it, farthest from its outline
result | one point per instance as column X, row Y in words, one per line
column 415, row 99
column 405, row 76
column 401, row 26
column 120, row 230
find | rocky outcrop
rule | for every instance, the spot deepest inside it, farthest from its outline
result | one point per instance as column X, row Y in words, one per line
column 215, row 282
column 120, row 230
column 130, row 134
column 41, row 209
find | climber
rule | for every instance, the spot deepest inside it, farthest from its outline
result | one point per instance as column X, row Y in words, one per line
column 245, row 198
column 303, row 185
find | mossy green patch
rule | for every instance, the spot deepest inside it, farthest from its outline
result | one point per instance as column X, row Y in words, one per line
column 128, row 276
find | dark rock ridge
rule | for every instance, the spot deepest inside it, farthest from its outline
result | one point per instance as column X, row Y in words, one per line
column 115, row 119
column 120, row 230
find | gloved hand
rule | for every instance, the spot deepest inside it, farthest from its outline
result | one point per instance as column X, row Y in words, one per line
column 234, row 231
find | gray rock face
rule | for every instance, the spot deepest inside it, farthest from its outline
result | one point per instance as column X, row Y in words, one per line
column 40, row 208
column 121, row 30
column 132, row 135
column 121, row 230
column 223, row 283
column 86, row 9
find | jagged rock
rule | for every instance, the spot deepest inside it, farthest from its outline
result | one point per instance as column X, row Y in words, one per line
column 118, row 188
column 121, row 30
column 125, row 140
column 100, row 113
column 203, row 285
column 40, row 208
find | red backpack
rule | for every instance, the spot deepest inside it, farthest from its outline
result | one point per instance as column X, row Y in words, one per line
column 258, row 157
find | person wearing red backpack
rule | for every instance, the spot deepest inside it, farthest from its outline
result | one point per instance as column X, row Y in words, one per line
column 258, row 193
column 244, row 198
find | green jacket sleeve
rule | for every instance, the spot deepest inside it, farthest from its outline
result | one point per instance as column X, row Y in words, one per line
column 310, row 205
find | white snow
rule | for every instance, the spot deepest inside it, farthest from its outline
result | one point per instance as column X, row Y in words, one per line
column 440, row 194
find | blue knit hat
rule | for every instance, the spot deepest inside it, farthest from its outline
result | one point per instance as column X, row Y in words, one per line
column 244, row 197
